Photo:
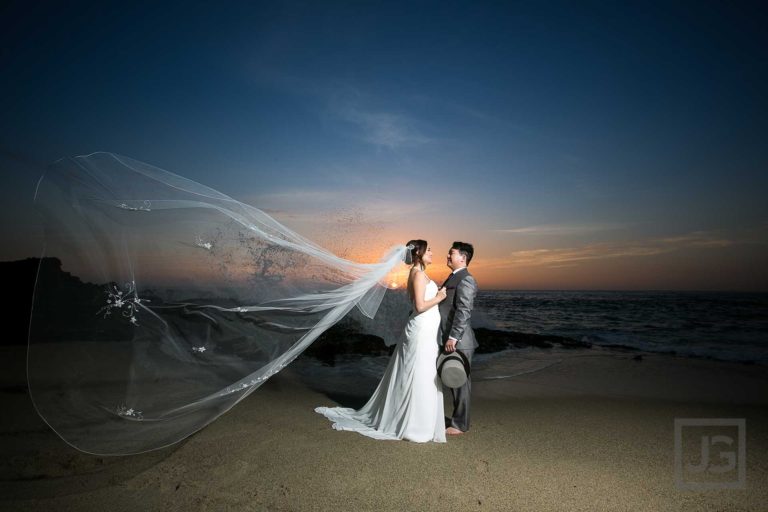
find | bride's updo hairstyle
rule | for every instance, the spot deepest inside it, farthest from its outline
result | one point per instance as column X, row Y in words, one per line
column 417, row 253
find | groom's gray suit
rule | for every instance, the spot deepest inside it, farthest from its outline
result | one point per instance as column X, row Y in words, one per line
column 455, row 314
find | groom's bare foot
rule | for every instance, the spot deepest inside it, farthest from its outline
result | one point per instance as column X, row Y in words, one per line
column 453, row 431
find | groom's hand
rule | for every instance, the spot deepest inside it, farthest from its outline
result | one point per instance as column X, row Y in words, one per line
column 450, row 345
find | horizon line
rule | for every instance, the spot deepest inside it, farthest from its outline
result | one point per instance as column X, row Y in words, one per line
column 506, row 289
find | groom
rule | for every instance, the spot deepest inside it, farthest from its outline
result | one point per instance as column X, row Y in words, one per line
column 455, row 330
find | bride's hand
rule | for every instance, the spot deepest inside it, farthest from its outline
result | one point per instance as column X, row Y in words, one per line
column 441, row 294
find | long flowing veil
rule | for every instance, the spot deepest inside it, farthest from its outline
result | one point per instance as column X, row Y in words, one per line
column 161, row 303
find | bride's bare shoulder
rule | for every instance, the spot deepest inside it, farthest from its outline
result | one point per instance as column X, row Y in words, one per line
column 416, row 272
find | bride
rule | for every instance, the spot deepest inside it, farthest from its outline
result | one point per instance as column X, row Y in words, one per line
column 408, row 402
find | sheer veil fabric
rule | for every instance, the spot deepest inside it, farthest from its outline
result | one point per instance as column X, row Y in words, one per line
column 161, row 303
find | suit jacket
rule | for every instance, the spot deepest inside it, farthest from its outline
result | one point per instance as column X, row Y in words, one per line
column 456, row 310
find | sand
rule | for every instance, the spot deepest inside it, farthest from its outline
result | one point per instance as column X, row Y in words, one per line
column 593, row 432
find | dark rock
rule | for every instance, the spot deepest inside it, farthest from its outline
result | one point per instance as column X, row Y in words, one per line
column 492, row 340
column 616, row 346
column 342, row 339
column 66, row 291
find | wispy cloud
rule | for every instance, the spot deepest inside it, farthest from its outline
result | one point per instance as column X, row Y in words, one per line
column 550, row 257
column 572, row 256
column 379, row 127
column 383, row 128
column 366, row 119
column 318, row 206
column 471, row 113
column 696, row 239
column 563, row 229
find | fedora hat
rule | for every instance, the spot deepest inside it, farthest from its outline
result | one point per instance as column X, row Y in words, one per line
column 453, row 368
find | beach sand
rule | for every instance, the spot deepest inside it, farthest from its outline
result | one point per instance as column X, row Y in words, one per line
column 593, row 432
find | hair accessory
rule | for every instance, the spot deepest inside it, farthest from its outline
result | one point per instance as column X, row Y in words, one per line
column 408, row 258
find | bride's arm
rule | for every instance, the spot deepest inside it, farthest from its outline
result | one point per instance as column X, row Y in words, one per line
column 419, row 286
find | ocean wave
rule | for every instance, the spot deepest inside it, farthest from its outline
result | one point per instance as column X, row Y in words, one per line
column 715, row 325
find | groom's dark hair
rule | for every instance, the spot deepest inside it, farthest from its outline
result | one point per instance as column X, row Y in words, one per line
column 464, row 248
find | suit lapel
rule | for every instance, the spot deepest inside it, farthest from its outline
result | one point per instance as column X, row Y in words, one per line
column 454, row 274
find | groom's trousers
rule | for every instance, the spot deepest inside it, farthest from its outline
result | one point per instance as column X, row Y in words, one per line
column 460, row 418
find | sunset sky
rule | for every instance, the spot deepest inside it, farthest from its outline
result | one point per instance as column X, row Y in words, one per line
column 577, row 145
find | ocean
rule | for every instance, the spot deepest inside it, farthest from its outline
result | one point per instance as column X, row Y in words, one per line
column 718, row 325
column 721, row 325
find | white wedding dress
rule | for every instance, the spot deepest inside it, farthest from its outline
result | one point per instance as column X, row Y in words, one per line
column 408, row 402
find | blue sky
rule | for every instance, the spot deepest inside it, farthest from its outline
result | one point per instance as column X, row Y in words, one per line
column 599, row 145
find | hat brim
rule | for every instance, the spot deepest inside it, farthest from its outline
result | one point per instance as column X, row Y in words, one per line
column 453, row 369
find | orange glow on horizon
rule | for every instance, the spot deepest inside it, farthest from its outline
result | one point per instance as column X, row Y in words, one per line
column 647, row 264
